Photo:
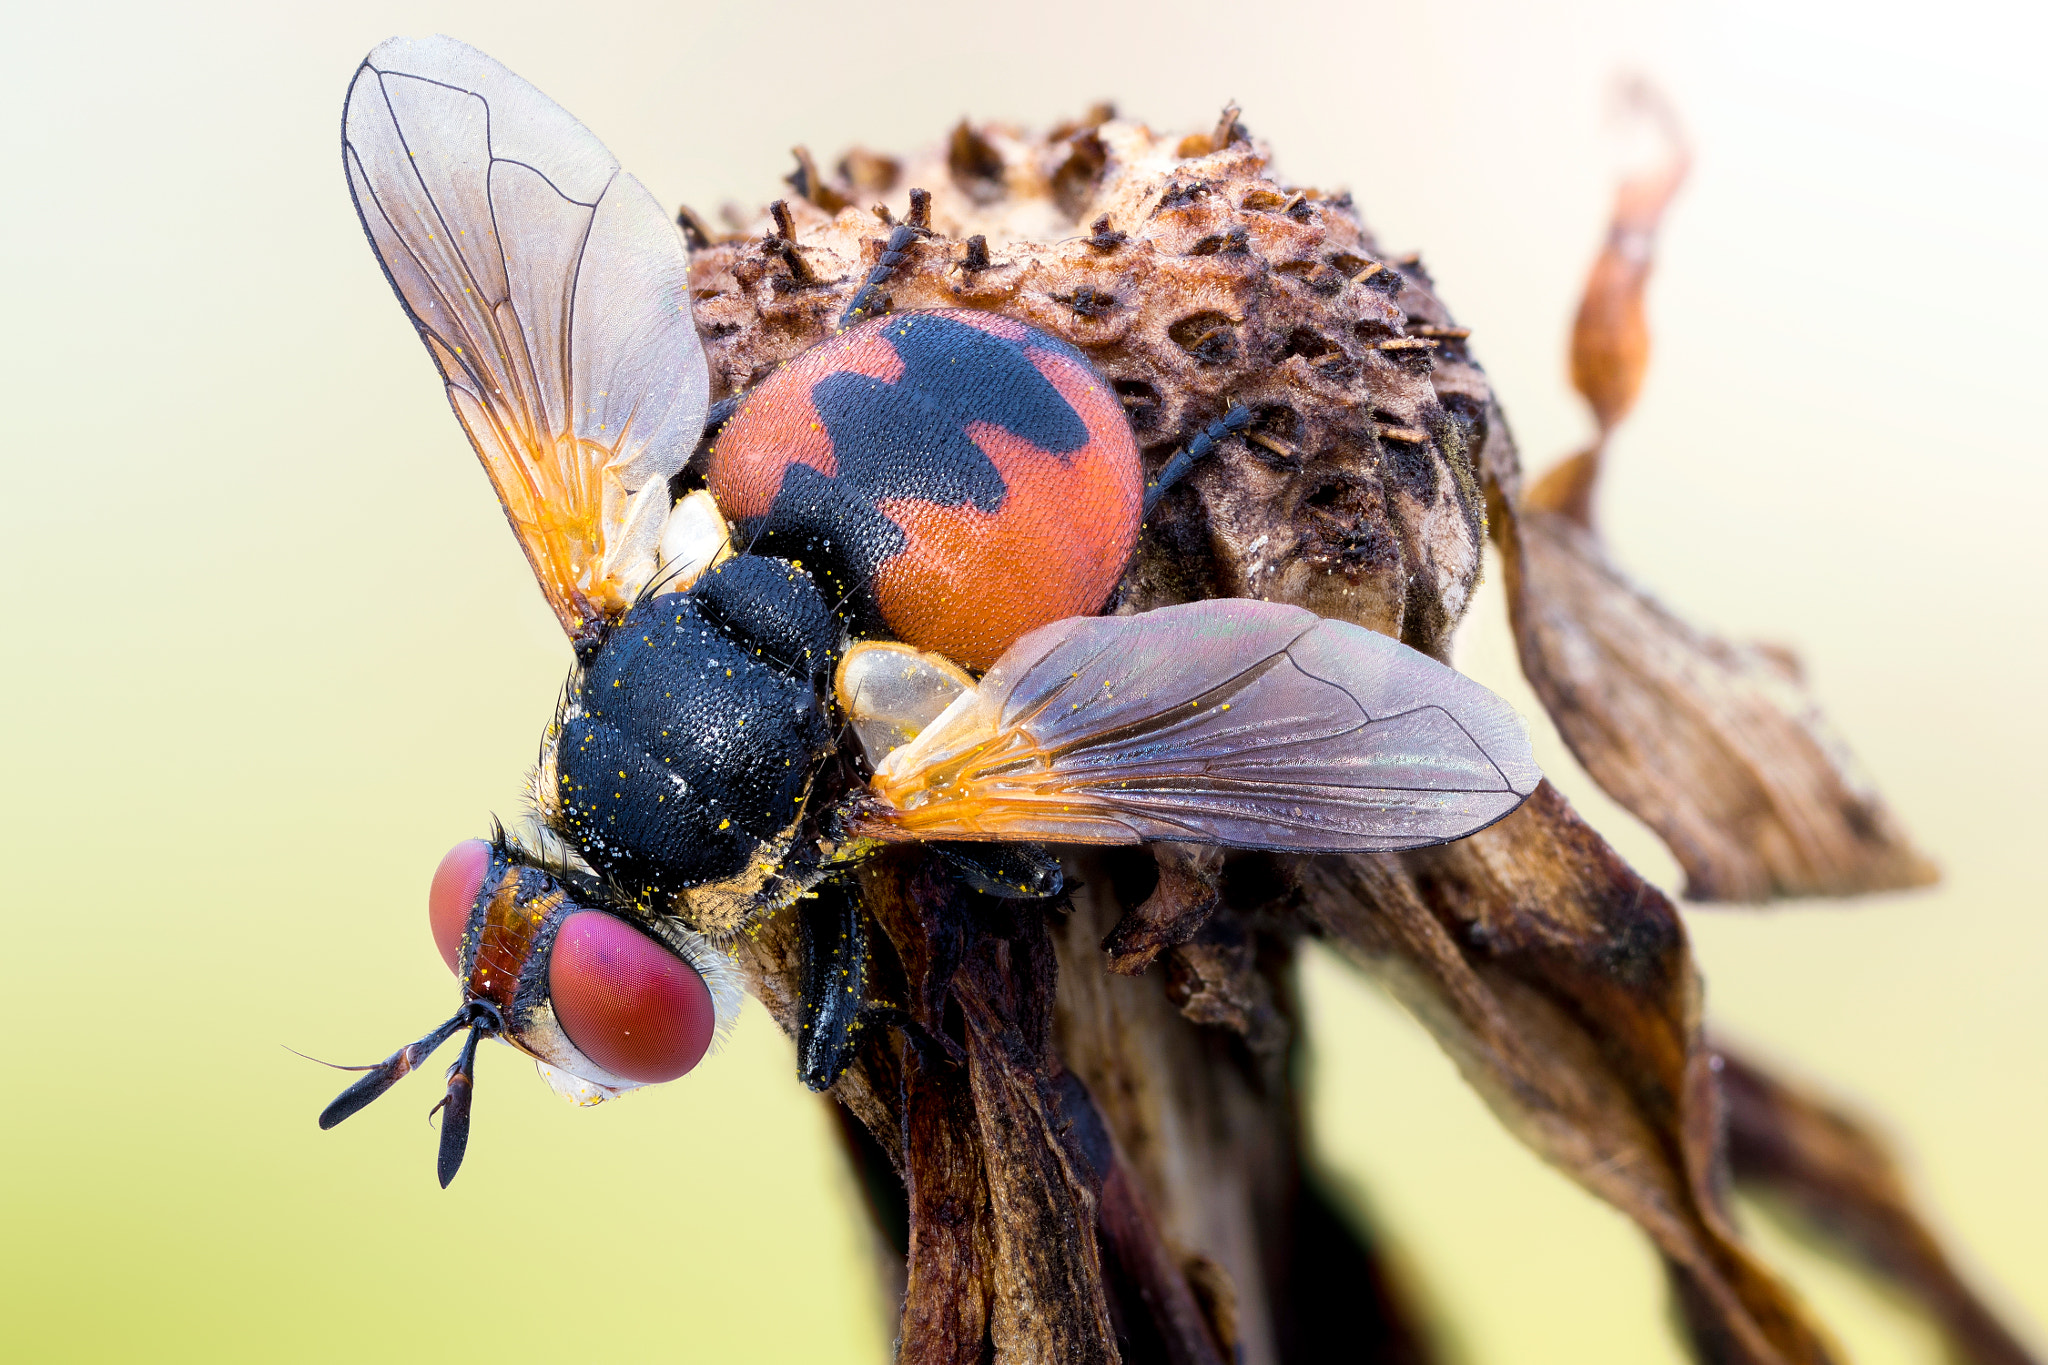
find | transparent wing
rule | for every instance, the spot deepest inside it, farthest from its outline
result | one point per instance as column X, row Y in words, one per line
column 552, row 292
column 1229, row 722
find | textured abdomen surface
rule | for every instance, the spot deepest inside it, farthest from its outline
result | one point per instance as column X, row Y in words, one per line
column 958, row 479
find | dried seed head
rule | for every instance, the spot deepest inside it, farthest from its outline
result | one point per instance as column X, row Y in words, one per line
column 1192, row 281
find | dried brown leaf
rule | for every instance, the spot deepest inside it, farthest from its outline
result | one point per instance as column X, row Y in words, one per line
column 1174, row 1326
column 1832, row 1173
column 1003, row 1252
column 1031, row 1234
column 1717, row 747
column 1050, row 1304
column 1216, row 980
column 1205, row 1124
column 1562, row 985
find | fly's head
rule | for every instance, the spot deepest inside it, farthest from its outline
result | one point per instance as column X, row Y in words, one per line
column 604, row 997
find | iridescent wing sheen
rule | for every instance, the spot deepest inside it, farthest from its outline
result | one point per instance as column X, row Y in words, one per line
column 551, row 290
column 1227, row 722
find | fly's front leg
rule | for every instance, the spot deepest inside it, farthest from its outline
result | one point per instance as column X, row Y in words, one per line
column 833, row 971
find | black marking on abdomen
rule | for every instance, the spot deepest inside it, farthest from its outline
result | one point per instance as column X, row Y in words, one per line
column 909, row 440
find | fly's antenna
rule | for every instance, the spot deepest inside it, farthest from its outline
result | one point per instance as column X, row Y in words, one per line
column 387, row 1073
column 1236, row 420
column 461, row 1089
column 894, row 252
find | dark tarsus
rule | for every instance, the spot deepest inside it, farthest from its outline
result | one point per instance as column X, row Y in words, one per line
column 894, row 253
column 1230, row 423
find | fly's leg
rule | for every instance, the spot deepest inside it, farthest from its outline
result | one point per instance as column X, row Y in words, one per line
column 1176, row 468
column 834, row 971
column 1010, row 872
column 868, row 299
column 834, row 968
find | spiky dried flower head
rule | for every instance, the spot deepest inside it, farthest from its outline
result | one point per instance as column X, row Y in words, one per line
column 1192, row 280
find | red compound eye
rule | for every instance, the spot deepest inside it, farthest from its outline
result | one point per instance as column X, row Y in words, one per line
column 627, row 1002
column 456, row 883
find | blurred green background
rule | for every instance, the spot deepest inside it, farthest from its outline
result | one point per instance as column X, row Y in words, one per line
column 272, row 650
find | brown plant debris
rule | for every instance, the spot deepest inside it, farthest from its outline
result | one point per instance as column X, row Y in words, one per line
column 1180, row 904
column 1561, row 984
column 1610, row 336
column 1095, row 1160
column 1828, row 1171
column 1718, row 747
column 1203, row 1117
column 945, row 1297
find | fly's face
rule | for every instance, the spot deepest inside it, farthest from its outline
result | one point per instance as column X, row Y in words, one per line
column 603, row 999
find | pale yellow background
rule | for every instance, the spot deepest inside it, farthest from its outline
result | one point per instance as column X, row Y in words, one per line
column 269, row 649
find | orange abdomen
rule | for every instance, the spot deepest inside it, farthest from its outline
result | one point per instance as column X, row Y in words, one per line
column 955, row 479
